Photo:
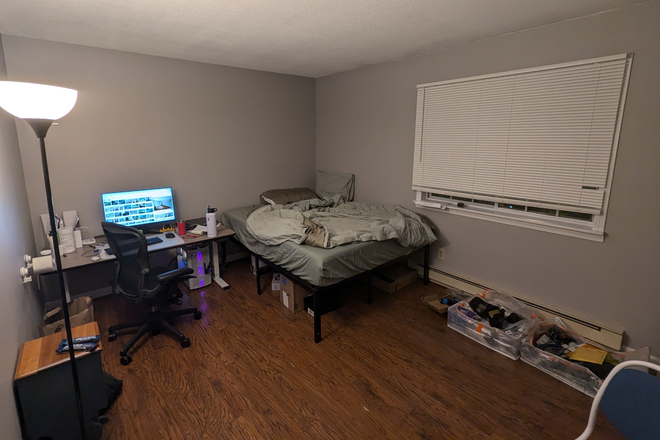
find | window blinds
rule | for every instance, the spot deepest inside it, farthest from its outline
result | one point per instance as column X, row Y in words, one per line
column 538, row 137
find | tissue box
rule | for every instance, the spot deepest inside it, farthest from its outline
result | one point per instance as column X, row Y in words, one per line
column 276, row 283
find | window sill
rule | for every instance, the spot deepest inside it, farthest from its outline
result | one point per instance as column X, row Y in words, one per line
column 527, row 223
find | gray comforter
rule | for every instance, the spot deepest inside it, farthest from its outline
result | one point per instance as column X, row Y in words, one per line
column 330, row 222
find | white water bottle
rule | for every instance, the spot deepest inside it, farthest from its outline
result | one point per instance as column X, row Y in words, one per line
column 211, row 228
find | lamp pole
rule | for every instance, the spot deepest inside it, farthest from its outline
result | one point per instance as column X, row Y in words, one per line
column 39, row 105
column 40, row 127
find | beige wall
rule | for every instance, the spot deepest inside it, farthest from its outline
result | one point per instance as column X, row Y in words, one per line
column 217, row 135
column 365, row 125
column 18, row 307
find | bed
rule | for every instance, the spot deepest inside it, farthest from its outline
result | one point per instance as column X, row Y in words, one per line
column 320, row 271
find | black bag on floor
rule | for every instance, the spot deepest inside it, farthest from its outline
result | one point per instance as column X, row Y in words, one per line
column 113, row 390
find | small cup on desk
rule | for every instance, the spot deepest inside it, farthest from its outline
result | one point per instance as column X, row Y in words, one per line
column 181, row 225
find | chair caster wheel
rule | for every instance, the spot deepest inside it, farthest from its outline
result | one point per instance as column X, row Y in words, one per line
column 125, row 359
column 185, row 343
column 198, row 315
column 179, row 294
column 112, row 336
column 93, row 429
column 103, row 420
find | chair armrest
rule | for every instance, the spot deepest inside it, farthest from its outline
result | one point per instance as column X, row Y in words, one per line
column 167, row 277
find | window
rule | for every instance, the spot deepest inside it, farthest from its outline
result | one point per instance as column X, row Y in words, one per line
column 533, row 148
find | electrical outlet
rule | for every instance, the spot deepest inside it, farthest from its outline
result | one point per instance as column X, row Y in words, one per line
column 441, row 253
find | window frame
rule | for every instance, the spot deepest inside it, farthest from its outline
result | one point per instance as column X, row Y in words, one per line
column 593, row 230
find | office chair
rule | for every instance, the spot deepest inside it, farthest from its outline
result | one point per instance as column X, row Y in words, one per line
column 630, row 399
column 142, row 283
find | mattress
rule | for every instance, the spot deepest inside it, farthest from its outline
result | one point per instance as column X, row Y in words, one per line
column 318, row 266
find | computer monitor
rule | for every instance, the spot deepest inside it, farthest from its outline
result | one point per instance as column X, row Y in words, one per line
column 139, row 209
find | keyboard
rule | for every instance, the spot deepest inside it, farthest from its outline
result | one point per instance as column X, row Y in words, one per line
column 154, row 240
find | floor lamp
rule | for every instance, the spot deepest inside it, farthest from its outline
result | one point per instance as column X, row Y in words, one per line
column 39, row 105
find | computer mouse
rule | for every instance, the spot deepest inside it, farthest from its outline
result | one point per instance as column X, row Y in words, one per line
column 169, row 235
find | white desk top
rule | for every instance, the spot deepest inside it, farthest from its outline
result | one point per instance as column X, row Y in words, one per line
column 167, row 243
column 76, row 259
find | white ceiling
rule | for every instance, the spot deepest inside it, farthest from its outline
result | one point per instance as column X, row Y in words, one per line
column 300, row 37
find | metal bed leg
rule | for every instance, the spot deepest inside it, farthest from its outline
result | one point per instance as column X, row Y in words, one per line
column 427, row 254
column 258, row 272
column 317, row 319
column 369, row 299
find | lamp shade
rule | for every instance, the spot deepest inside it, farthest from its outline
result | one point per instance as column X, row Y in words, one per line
column 36, row 101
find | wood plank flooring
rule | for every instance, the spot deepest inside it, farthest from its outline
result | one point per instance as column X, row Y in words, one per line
column 389, row 370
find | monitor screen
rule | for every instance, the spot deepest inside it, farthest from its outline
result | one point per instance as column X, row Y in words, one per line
column 136, row 208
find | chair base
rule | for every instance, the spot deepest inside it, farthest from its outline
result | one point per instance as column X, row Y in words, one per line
column 154, row 323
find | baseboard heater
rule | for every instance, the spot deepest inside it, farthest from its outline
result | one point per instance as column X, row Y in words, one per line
column 606, row 336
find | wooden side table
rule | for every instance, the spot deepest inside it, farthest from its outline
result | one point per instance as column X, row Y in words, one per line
column 43, row 386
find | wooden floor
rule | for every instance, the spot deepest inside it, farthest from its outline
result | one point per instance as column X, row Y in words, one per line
column 392, row 369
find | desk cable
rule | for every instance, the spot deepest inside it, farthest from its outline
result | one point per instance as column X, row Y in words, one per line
column 93, row 252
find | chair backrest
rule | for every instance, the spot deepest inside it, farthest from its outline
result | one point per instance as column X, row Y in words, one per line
column 630, row 399
column 130, row 247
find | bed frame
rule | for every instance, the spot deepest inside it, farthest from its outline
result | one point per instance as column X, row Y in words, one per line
column 320, row 292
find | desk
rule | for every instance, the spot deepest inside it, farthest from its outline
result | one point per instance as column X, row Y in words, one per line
column 76, row 259
column 43, row 384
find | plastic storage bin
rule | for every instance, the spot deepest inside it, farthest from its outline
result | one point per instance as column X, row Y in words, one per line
column 506, row 342
column 572, row 374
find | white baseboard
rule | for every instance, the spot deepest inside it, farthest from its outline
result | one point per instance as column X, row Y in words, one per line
column 603, row 335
